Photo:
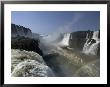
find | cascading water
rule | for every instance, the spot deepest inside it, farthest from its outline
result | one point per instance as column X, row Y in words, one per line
column 61, row 56
column 29, row 64
column 95, row 35
column 65, row 40
column 92, row 44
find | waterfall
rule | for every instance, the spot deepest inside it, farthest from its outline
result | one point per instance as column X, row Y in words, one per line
column 65, row 40
column 29, row 64
column 95, row 35
column 92, row 44
column 32, row 68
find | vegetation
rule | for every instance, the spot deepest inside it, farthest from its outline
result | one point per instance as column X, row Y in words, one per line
column 29, row 44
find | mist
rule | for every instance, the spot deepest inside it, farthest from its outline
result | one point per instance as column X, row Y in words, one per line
column 68, row 27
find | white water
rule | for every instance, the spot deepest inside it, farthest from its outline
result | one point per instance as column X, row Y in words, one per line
column 32, row 68
column 95, row 35
column 91, row 48
column 28, row 64
column 65, row 40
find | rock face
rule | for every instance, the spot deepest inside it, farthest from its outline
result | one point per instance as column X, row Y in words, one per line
column 87, row 42
column 78, row 39
column 92, row 45
column 25, row 43
column 28, row 64
column 23, row 38
column 17, row 30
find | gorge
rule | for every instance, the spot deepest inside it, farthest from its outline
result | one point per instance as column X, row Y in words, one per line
column 74, row 54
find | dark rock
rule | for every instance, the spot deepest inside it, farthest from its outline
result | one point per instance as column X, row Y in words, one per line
column 26, row 44
column 78, row 39
column 99, row 34
column 91, row 41
column 20, row 30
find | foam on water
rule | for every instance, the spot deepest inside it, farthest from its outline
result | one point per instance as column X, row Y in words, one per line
column 28, row 64
column 89, row 47
column 32, row 68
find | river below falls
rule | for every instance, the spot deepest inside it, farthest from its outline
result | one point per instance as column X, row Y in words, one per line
column 68, row 63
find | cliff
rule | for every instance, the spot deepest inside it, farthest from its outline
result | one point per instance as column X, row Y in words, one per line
column 17, row 30
column 87, row 42
column 26, row 43
column 78, row 39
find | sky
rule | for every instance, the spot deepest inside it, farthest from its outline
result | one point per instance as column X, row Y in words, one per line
column 48, row 22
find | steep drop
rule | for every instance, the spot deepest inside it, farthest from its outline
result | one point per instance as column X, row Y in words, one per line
column 92, row 44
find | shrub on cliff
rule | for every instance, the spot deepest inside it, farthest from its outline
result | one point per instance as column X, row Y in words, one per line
column 26, row 44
